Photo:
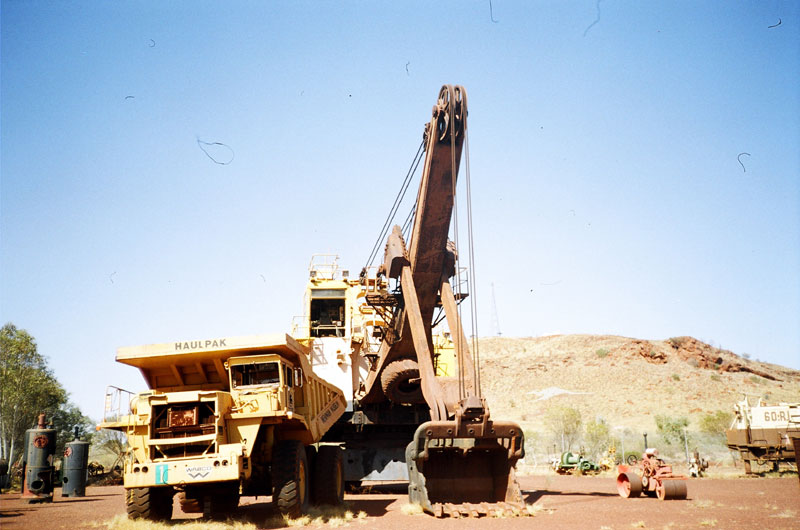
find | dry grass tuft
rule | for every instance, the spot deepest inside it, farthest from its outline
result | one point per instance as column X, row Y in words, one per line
column 704, row 503
column 411, row 509
column 639, row 524
column 303, row 520
column 333, row 516
column 708, row 522
column 535, row 509
column 785, row 514
column 121, row 522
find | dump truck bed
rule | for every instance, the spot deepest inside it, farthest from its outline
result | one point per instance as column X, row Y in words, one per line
column 200, row 364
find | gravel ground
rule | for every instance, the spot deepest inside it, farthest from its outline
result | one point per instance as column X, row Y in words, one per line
column 562, row 501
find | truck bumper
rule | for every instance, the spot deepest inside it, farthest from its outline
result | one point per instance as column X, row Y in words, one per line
column 184, row 471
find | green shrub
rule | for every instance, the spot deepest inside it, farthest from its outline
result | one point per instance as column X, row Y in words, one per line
column 715, row 424
column 716, row 377
column 676, row 377
column 602, row 352
column 671, row 429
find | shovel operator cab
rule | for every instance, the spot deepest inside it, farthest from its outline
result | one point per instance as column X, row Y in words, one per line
column 224, row 417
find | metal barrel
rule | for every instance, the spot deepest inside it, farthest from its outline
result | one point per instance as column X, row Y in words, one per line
column 450, row 466
column 40, row 446
column 75, row 470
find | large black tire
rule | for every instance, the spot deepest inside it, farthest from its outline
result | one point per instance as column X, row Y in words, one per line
column 290, row 478
column 327, row 484
column 153, row 504
column 396, row 385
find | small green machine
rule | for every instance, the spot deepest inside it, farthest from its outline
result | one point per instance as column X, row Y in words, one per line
column 574, row 463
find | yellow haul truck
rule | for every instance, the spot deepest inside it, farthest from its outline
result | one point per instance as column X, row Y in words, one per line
column 226, row 417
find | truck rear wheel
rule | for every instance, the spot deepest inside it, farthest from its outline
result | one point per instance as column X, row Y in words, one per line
column 153, row 504
column 748, row 469
column 328, row 479
column 290, row 477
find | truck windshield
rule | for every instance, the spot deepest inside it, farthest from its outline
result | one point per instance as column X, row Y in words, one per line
column 256, row 374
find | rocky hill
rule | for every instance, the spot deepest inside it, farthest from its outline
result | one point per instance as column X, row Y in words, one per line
column 625, row 381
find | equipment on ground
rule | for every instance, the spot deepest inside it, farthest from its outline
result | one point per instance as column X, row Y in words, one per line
column 763, row 433
column 38, row 472
column 574, row 463
column 75, row 469
column 697, row 465
column 3, row 473
column 95, row 468
column 653, row 476
column 224, row 417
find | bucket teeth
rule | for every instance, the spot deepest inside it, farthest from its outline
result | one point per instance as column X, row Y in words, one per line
column 484, row 509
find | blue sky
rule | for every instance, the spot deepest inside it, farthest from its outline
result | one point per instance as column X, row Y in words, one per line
column 609, row 190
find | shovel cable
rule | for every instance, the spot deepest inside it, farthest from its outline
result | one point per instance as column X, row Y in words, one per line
column 458, row 333
column 397, row 201
column 472, row 282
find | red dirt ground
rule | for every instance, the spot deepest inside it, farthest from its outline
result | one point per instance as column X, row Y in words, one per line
column 565, row 502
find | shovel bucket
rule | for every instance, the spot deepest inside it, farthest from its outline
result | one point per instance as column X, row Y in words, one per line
column 465, row 470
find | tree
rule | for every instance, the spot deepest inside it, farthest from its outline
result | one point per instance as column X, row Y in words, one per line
column 27, row 388
column 597, row 437
column 112, row 443
column 716, row 423
column 69, row 421
column 565, row 424
column 671, row 429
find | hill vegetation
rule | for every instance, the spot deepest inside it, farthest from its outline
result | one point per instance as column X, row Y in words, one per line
column 626, row 386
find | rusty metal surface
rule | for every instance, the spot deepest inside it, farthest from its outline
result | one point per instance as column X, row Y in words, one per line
column 427, row 251
column 465, row 467
column 656, row 477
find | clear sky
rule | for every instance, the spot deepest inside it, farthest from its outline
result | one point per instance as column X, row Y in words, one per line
column 610, row 189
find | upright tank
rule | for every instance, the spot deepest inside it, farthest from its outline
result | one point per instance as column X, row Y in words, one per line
column 75, row 470
column 40, row 446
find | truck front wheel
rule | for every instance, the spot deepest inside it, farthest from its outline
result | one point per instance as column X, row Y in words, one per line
column 153, row 504
column 290, row 477
column 328, row 477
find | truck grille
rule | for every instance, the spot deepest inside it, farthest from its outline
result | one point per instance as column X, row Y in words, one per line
column 184, row 420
